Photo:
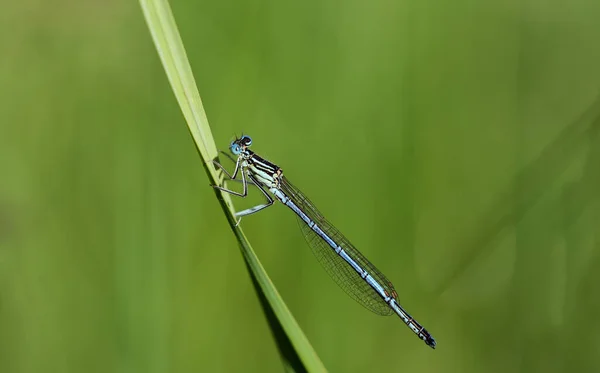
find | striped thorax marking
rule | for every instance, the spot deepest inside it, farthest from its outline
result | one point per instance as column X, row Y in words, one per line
column 267, row 173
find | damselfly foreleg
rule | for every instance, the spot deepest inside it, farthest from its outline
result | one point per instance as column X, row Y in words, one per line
column 235, row 171
column 232, row 177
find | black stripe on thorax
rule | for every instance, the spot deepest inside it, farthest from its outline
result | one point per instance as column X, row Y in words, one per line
column 262, row 164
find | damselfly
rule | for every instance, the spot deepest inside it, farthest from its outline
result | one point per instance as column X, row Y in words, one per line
column 354, row 273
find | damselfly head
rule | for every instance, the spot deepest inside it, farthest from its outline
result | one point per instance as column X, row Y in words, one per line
column 239, row 145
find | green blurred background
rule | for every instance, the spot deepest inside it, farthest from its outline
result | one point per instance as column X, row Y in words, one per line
column 457, row 146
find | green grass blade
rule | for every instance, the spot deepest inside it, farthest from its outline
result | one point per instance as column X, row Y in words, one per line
column 295, row 350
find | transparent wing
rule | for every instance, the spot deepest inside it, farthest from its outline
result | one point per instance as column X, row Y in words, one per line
column 341, row 272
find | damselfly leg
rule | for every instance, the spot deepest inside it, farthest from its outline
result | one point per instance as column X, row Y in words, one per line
column 227, row 155
column 257, row 208
column 245, row 183
column 232, row 177
column 235, row 171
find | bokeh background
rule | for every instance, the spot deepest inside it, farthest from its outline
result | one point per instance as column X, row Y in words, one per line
column 457, row 144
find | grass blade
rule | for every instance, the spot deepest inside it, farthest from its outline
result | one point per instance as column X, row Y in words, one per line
column 296, row 352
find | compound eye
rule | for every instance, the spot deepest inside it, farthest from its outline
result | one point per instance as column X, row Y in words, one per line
column 246, row 140
column 236, row 149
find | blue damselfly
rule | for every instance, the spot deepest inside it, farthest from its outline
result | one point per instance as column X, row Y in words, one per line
column 354, row 273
